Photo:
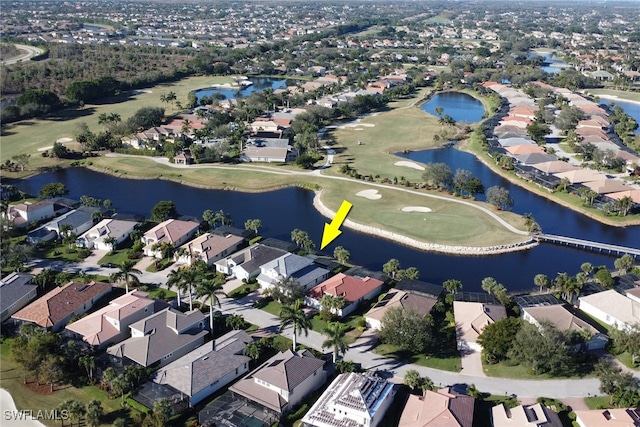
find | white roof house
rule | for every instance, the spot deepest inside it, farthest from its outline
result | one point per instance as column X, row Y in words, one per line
column 611, row 308
column 106, row 234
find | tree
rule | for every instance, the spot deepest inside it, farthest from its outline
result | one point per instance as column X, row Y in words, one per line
column 587, row 268
column 294, row 316
column 603, row 276
column 413, row 379
column 302, row 239
column 189, row 276
column 222, row 217
column 54, row 189
column 211, row 288
column 531, row 224
column 541, row 281
column 76, row 410
column 406, row 329
column 235, row 322
column 343, row 366
column 391, row 267
column 489, row 285
column 543, row 350
column 410, row 273
column 209, row 217
column 22, row 160
column 587, row 194
column 286, row 291
column 622, row 387
column 627, row 340
column 624, row 263
column 87, row 362
column 163, row 210
column 341, row 254
column 499, row 197
column 253, row 350
column 253, row 225
column 94, row 413
column 438, row 174
column 160, row 413
column 335, row 339
column 127, row 273
column 331, row 306
column 497, row 338
column 624, row 205
column 50, row 370
column 452, row 285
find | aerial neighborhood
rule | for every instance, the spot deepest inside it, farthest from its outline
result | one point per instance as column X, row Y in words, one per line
column 320, row 214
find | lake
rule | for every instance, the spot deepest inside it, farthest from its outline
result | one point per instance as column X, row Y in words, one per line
column 631, row 108
column 460, row 106
column 283, row 210
column 259, row 85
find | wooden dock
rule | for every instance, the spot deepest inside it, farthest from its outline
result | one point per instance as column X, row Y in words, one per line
column 588, row 245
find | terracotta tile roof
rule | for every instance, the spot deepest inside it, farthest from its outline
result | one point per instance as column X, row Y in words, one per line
column 171, row 230
column 534, row 415
column 409, row 301
column 438, row 409
column 472, row 317
column 61, row 302
column 350, row 287
column 609, row 417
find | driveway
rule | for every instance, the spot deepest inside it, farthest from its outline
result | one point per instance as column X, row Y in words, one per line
column 471, row 363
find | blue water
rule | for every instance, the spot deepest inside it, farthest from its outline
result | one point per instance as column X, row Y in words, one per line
column 630, row 108
column 259, row 84
column 553, row 65
column 460, row 106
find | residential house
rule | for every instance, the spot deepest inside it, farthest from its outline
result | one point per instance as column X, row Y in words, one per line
column 441, row 408
column 352, row 400
column 282, row 382
column 620, row 417
column 111, row 324
column 268, row 150
column 262, row 124
column 302, row 269
column 55, row 309
column 471, row 318
column 395, row 298
column 23, row 214
column 208, row 368
column 535, row 415
column 354, row 290
column 162, row 338
column 173, row 231
column 611, row 308
column 16, row 291
column 183, row 158
column 106, row 234
column 560, row 316
column 79, row 220
column 209, row 248
column 246, row 263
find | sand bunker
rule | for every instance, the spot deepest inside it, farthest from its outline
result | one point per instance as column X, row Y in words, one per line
column 415, row 209
column 63, row 140
column 369, row 194
column 409, row 165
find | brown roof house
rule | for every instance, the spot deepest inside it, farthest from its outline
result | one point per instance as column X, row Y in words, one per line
column 534, row 415
column 351, row 400
column 442, row 408
column 471, row 318
column 282, row 382
column 16, row 291
column 55, row 309
column 209, row 248
column 421, row 304
column 353, row 289
column 111, row 323
column 208, row 368
column 162, row 337
column 173, row 231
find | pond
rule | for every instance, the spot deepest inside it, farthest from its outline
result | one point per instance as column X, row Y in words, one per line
column 460, row 106
column 551, row 64
column 259, row 85
column 631, row 108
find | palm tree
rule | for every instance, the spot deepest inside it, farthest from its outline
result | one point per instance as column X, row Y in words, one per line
column 211, row 288
column 94, row 412
column 452, row 285
column 335, row 339
column 489, row 285
column 174, row 278
column 87, row 362
column 391, row 267
column 235, row 322
column 190, row 276
column 341, row 254
column 541, row 281
column 624, row 205
column 294, row 316
column 128, row 273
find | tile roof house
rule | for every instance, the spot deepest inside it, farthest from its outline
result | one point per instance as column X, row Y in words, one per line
column 22, row 214
column 55, row 309
column 629, row 417
column 471, row 318
column 563, row 319
column 209, row 248
column 351, row 400
column 353, row 289
column 442, row 408
column 110, row 324
column 611, row 308
column 246, row 263
column 421, row 304
column 173, row 231
column 282, row 382
column 16, row 291
column 162, row 337
column 302, row 269
column 106, row 234
column 535, row 415
column 80, row 220
column 208, row 368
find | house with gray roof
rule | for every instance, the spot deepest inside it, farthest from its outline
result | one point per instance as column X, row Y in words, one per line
column 16, row 291
column 106, row 234
column 246, row 263
column 282, row 382
column 80, row 220
column 208, row 368
column 300, row 268
column 161, row 338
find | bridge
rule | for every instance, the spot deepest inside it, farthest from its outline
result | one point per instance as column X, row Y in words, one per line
column 587, row 245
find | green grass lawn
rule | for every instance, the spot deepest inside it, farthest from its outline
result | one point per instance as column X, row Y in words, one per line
column 598, row 402
column 273, row 307
column 620, row 94
column 627, row 360
column 116, row 257
column 452, row 364
column 243, row 290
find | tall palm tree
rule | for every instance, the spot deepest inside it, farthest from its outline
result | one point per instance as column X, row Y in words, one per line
column 174, row 279
column 294, row 315
column 190, row 276
column 210, row 289
column 335, row 339
column 128, row 273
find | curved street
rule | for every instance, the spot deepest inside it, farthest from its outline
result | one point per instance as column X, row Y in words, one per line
column 30, row 52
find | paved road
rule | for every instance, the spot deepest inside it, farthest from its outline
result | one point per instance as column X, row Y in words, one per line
column 28, row 53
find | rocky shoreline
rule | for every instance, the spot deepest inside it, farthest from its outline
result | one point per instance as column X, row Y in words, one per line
column 425, row 246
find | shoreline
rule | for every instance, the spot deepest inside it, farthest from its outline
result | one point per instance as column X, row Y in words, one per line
column 425, row 246
column 615, row 98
